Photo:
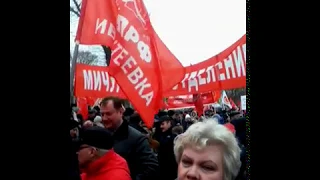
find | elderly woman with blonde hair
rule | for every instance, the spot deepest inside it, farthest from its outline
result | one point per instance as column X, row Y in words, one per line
column 207, row 151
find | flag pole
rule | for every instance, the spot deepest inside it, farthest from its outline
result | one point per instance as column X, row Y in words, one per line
column 73, row 70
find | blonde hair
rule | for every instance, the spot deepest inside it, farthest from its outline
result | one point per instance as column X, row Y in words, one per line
column 209, row 132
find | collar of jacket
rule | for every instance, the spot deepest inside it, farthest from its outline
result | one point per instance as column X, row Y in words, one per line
column 122, row 131
column 100, row 164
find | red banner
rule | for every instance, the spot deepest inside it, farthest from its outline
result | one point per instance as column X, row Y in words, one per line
column 140, row 62
column 227, row 70
column 188, row 100
column 95, row 81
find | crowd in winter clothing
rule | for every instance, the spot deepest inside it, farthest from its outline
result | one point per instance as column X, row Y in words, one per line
column 113, row 143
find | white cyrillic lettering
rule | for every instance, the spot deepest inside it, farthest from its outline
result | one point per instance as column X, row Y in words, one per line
column 128, row 63
column 144, row 51
column 193, row 81
column 120, row 56
column 105, row 80
column 237, row 56
column 135, row 75
column 201, row 80
column 113, row 83
column 122, row 23
column 118, row 88
column 88, row 82
column 184, row 80
column 211, row 74
column 142, row 85
column 244, row 52
column 148, row 97
column 101, row 25
column 97, row 80
column 132, row 35
column 228, row 64
column 116, row 49
column 222, row 76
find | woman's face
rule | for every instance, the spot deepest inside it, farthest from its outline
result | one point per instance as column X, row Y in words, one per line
column 205, row 164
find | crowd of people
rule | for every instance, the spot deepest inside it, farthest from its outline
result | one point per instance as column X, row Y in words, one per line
column 113, row 143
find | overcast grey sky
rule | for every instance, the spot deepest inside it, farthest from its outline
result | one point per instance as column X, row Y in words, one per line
column 194, row 30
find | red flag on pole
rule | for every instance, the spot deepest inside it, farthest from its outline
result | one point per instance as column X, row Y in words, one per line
column 141, row 64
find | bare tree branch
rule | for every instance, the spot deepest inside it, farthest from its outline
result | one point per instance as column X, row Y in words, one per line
column 106, row 50
column 77, row 5
column 86, row 57
column 235, row 94
column 74, row 11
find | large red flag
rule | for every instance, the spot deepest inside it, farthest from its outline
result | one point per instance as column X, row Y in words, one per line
column 172, row 71
column 140, row 60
